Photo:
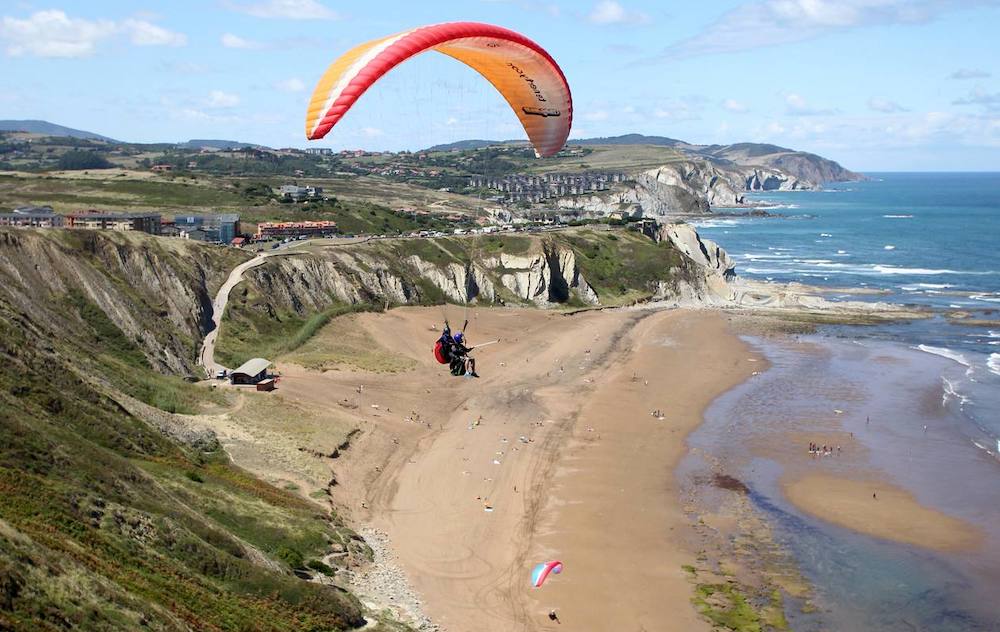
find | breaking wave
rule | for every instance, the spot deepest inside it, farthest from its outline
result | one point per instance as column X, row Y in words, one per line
column 945, row 353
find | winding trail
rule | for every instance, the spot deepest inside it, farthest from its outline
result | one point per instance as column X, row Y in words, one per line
column 207, row 354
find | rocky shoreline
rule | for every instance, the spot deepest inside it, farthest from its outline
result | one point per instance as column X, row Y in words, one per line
column 383, row 586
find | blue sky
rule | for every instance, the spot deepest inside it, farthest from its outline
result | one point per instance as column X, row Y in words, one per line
column 877, row 84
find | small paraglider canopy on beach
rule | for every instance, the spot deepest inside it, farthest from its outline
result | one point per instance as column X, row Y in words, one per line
column 542, row 571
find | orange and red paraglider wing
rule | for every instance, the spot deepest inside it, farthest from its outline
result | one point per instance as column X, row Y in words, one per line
column 524, row 74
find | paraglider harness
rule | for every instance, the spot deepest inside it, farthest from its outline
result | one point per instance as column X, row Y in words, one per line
column 443, row 346
column 448, row 351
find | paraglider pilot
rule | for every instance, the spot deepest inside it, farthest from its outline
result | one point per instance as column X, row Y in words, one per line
column 451, row 350
column 461, row 363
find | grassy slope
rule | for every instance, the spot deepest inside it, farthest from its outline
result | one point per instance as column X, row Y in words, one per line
column 622, row 266
column 106, row 524
column 626, row 158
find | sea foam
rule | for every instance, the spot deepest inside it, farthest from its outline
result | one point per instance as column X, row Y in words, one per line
column 951, row 393
column 945, row 353
column 994, row 363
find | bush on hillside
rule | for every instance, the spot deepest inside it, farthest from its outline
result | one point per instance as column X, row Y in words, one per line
column 78, row 160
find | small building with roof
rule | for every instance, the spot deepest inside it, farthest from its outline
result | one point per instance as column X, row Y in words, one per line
column 220, row 229
column 250, row 372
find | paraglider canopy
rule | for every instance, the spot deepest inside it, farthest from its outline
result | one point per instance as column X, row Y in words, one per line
column 541, row 572
column 527, row 77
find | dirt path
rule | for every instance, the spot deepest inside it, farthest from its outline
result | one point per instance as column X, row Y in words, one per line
column 207, row 354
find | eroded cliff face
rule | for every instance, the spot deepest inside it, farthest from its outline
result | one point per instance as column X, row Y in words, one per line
column 158, row 292
column 549, row 272
column 684, row 188
column 309, row 283
column 712, row 285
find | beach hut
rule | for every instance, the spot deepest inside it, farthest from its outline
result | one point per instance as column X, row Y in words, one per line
column 250, row 372
column 266, row 385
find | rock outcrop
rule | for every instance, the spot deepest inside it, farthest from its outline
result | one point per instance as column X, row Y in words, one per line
column 712, row 286
column 689, row 187
column 550, row 276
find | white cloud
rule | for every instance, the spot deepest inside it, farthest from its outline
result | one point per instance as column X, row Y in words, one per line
column 52, row 33
column 796, row 105
column 675, row 114
column 595, row 115
column 292, row 84
column 969, row 73
column 235, row 41
column 287, row 9
column 143, row 33
column 989, row 100
column 771, row 22
column 906, row 131
column 734, row 106
column 612, row 12
column 371, row 132
column 220, row 99
column 878, row 104
column 451, row 121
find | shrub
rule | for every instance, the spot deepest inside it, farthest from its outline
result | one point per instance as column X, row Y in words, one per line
column 290, row 556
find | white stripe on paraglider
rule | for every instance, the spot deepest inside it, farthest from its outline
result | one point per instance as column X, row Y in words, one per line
column 350, row 74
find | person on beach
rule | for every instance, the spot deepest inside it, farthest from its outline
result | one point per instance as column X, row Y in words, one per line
column 554, row 617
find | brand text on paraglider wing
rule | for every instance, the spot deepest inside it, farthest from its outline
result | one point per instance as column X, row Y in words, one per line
column 529, row 81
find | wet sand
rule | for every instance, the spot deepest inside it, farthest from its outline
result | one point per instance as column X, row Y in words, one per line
column 552, row 454
column 923, row 553
column 880, row 509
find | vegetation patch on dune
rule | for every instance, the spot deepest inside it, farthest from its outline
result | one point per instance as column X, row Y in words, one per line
column 252, row 328
column 345, row 343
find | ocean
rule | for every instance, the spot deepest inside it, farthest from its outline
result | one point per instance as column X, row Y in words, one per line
column 920, row 400
column 927, row 239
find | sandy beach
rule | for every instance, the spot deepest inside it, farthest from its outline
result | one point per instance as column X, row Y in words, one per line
column 553, row 454
column 881, row 509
